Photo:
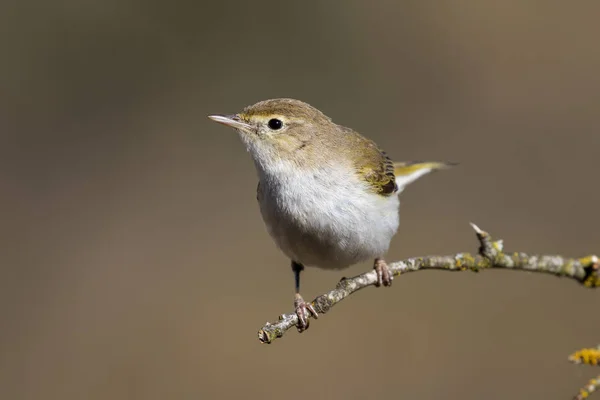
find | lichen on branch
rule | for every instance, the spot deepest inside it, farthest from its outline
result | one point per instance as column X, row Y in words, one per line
column 491, row 254
column 590, row 356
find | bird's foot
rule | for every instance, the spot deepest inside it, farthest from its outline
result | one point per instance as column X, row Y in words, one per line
column 303, row 311
column 384, row 274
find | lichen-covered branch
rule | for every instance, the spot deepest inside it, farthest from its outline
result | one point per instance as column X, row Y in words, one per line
column 491, row 255
column 590, row 357
column 588, row 389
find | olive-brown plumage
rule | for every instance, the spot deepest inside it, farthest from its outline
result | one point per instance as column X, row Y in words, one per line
column 328, row 195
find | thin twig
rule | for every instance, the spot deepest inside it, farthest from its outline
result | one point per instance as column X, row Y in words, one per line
column 589, row 357
column 491, row 255
column 588, row 389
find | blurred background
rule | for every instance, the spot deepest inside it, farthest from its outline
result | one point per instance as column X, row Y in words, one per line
column 135, row 264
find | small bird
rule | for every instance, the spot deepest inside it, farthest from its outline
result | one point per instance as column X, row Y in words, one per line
column 328, row 195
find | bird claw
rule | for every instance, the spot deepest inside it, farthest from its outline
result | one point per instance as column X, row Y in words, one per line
column 303, row 311
column 384, row 274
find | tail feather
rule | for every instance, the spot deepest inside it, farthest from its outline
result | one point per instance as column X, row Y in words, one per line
column 409, row 171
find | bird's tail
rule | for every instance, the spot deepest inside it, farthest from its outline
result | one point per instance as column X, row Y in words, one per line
column 409, row 171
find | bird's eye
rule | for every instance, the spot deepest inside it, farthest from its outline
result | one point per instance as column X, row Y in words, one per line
column 275, row 124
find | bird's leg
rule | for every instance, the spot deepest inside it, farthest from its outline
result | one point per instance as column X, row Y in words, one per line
column 384, row 275
column 303, row 309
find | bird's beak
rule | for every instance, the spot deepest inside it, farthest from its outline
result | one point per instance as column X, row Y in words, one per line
column 230, row 120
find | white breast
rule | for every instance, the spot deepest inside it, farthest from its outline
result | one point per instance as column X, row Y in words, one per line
column 326, row 217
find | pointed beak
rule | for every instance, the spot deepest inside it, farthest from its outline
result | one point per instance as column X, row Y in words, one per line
column 231, row 120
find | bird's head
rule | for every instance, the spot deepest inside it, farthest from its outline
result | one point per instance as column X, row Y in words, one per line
column 282, row 129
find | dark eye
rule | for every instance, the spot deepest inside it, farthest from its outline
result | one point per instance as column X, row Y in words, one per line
column 275, row 124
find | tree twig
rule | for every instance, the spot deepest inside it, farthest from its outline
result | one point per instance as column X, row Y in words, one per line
column 590, row 357
column 491, row 255
column 588, row 389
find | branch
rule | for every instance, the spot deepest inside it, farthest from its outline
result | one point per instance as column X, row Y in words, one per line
column 588, row 389
column 491, row 255
column 590, row 357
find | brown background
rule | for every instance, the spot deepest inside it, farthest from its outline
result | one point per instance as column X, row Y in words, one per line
column 134, row 261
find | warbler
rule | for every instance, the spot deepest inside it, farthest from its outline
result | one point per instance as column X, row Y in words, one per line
column 328, row 195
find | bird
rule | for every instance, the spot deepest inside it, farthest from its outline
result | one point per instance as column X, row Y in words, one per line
column 329, row 196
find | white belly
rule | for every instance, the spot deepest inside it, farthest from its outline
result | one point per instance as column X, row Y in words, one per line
column 327, row 219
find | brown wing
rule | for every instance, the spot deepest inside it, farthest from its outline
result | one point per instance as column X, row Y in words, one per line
column 379, row 172
column 372, row 164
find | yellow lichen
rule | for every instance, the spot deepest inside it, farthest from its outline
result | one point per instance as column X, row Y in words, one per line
column 586, row 356
column 589, row 260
